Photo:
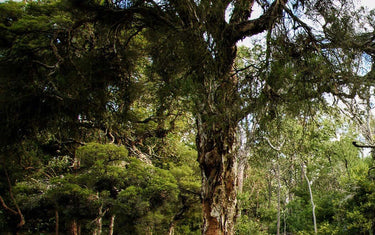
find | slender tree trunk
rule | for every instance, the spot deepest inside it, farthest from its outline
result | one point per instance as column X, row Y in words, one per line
column 241, row 169
column 112, row 224
column 219, row 175
column 171, row 228
column 312, row 201
column 240, row 178
column 74, row 228
column 98, row 221
column 278, row 198
column 16, row 212
column 284, row 222
column 241, row 173
column 56, row 222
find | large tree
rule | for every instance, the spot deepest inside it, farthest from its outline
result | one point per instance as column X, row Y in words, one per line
column 201, row 40
column 192, row 51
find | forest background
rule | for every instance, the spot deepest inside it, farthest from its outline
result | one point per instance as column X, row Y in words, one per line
column 106, row 106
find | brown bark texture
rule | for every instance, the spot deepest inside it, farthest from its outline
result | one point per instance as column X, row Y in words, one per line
column 75, row 228
column 112, row 225
column 219, row 176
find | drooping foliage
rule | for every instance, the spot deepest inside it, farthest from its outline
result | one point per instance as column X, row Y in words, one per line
column 67, row 80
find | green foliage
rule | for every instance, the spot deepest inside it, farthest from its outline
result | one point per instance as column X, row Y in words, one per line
column 74, row 78
column 143, row 197
column 360, row 205
column 341, row 184
column 94, row 154
column 247, row 226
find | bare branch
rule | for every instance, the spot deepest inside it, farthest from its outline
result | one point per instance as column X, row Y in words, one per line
column 362, row 146
column 44, row 65
column 272, row 146
column 7, row 207
column 18, row 212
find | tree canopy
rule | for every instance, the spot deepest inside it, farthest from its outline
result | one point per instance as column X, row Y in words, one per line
column 104, row 105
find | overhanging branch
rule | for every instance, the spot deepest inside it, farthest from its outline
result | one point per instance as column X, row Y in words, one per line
column 362, row 146
column 259, row 25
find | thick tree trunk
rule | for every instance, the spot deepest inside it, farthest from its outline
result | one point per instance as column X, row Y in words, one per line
column 216, row 156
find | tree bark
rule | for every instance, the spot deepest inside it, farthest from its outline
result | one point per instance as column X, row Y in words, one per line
column 98, row 221
column 171, row 228
column 241, row 169
column 216, row 156
column 112, row 225
column 241, row 175
column 312, row 201
column 75, row 228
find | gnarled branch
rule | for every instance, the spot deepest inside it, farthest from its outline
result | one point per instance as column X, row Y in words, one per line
column 259, row 25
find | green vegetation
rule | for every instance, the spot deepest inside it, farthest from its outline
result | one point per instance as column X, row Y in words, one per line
column 146, row 117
